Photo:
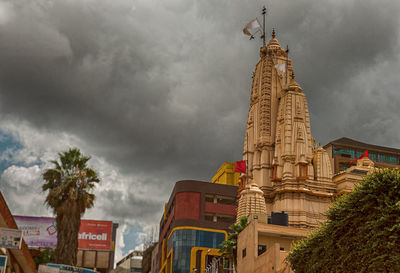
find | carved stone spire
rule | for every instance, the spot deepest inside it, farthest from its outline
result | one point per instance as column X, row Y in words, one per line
column 252, row 203
column 279, row 147
column 268, row 82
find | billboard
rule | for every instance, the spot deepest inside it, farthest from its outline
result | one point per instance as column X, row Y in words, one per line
column 42, row 232
column 95, row 235
column 38, row 231
column 10, row 238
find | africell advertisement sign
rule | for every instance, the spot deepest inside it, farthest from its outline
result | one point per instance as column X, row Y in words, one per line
column 95, row 235
column 42, row 232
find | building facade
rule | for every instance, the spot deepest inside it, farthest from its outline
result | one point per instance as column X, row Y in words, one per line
column 130, row 263
column 18, row 260
column 148, row 257
column 194, row 224
column 226, row 175
column 344, row 150
column 154, row 259
column 263, row 247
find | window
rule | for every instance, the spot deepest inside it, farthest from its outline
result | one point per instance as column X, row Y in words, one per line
column 243, row 253
column 226, row 200
column 303, row 173
column 210, row 198
column 344, row 152
column 226, row 219
column 274, row 173
column 220, row 199
column 261, row 249
column 183, row 240
column 219, row 218
column 282, row 249
column 387, row 159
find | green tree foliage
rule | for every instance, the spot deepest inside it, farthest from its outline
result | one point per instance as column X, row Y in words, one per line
column 229, row 247
column 362, row 231
column 46, row 256
column 70, row 185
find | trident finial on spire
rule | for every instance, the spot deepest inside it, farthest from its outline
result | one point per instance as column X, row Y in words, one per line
column 273, row 33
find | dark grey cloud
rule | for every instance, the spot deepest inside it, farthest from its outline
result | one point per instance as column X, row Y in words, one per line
column 160, row 89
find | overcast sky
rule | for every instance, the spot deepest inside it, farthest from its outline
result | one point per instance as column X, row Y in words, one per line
column 157, row 91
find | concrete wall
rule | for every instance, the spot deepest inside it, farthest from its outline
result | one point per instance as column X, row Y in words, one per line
column 274, row 237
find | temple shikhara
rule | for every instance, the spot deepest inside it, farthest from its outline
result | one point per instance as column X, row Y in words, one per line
column 283, row 162
column 289, row 182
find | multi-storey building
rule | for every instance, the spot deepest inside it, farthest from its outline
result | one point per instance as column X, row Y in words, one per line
column 226, row 175
column 194, row 224
column 344, row 150
column 130, row 263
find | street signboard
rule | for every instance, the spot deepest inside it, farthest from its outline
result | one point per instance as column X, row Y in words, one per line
column 42, row 232
column 71, row 269
column 10, row 238
column 3, row 263
column 48, row 269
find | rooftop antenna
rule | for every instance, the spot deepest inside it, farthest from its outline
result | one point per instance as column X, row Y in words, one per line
column 264, row 12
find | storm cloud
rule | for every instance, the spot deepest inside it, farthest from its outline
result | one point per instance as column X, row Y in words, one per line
column 158, row 91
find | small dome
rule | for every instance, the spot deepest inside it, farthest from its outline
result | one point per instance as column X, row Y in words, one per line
column 273, row 43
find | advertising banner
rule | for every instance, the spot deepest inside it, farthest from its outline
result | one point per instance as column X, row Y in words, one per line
column 95, row 235
column 3, row 263
column 10, row 238
column 71, row 269
column 48, row 269
column 38, row 231
column 42, row 232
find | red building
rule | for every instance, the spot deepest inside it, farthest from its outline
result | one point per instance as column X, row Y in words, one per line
column 195, row 221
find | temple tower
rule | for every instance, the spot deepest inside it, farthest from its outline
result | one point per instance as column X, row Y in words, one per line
column 294, row 176
column 252, row 203
column 269, row 78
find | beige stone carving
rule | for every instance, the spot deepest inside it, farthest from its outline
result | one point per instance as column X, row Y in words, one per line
column 279, row 147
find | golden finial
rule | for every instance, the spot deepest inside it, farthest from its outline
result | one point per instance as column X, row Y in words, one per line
column 273, row 33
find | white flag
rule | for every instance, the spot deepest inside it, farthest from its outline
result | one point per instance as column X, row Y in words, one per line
column 251, row 25
column 281, row 67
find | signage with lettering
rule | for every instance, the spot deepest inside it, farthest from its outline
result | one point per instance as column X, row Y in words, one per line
column 48, row 269
column 42, row 232
column 95, row 235
column 71, row 269
column 10, row 238
column 3, row 263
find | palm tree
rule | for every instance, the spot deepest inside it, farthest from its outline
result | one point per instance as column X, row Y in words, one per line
column 70, row 184
column 229, row 247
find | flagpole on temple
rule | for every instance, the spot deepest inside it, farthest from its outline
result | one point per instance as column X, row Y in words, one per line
column 287, row 63
column 247, row 158
column 264, row 11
